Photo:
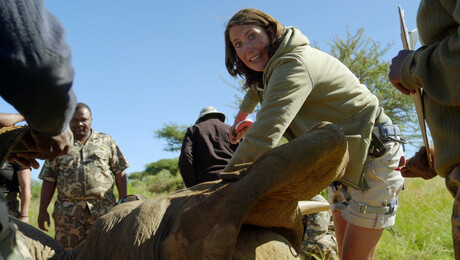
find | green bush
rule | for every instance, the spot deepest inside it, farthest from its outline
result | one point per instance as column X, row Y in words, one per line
column 165, row 166
column 35, row 188
column 137, row 176
column 171, row 165
column 161, row 183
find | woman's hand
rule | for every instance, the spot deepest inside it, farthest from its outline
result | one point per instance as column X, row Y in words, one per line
column 43, row 218
column 234, row 136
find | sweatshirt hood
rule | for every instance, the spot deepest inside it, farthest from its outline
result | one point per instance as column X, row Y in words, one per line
column 291, row 39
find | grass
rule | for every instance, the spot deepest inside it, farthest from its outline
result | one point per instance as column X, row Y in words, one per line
column 422, row 229
column 35, row 205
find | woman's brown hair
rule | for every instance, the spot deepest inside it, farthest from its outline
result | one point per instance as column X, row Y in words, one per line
column 272, row 27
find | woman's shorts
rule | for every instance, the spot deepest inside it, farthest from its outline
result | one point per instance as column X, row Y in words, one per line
column 376, row 207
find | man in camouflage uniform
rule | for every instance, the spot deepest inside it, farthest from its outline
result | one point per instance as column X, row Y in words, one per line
column 84, row 181
column 319, row 240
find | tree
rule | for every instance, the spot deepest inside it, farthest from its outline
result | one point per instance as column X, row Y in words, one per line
column 173, row 134
column 364, row 57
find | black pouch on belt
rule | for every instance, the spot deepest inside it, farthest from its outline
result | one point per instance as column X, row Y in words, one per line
column 377, row 148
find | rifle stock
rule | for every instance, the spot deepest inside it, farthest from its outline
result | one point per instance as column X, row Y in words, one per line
column 418, row 94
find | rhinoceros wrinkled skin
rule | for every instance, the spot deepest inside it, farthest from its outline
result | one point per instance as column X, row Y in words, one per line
column 40, row 245
column 254, row 217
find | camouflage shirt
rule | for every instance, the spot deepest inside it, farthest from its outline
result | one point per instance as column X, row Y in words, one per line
column 319, row 241
column 85, row 176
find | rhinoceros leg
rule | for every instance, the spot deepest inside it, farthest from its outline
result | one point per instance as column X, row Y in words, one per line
column 260, row 243
column 204, row 221
column 40, row 245
column 266, row 196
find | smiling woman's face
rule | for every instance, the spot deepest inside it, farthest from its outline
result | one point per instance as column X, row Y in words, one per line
column 250, row 43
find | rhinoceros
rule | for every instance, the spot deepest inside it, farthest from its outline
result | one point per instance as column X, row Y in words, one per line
column 251, row 213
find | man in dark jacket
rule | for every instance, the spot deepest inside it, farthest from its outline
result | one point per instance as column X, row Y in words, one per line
column 206, row 148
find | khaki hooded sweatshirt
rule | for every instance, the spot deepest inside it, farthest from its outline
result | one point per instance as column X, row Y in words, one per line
column 304, row 86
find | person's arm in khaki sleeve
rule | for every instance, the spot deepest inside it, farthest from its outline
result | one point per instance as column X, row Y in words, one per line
column 433, row 67
column 120, row 181
column 24, row 184
column 249, row 103
column 9, row 119
column 283, row 98
column 48, row 188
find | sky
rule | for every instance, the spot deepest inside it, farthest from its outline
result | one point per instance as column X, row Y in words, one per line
column 145, row 63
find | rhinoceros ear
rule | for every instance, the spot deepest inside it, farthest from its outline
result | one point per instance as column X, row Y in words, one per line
column 309, row 207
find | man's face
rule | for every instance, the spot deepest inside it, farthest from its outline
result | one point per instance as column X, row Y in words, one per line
column 81, row 124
